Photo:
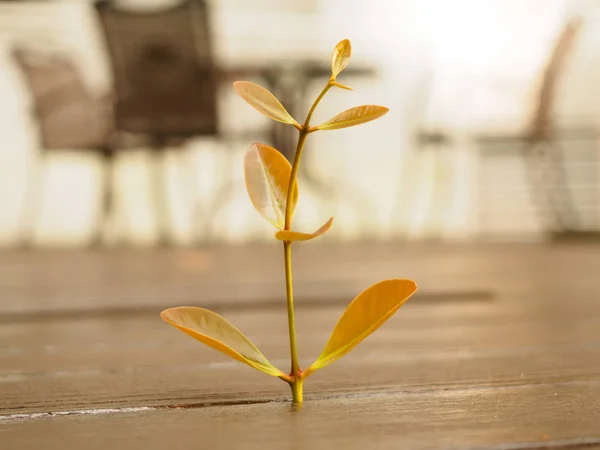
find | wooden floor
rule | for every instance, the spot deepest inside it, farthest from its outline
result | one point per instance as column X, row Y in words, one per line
column 500, row 349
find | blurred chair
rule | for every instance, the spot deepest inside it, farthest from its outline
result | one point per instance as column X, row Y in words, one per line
column 541, row 148
column 69, row 117
column 165, row 78
column 538, row 142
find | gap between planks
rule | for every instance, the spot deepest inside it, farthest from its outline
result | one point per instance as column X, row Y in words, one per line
column 467, row 296
column 372, row 394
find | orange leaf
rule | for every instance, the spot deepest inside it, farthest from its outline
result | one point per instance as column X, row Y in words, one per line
column 367, row 312
column 293, row 236
column 264, row 102
column 267, row 175
column 353, row 116
column 340, row 57
column 215, row 331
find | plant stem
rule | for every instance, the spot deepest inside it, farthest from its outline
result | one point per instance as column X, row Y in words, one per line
column 314, row 106
column 298, row 156
column 296, row 383
column 287, row 249
column 297, row 390
column 291, row 186
column 296, row 374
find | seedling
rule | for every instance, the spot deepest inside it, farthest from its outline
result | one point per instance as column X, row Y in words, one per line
column 273, row 190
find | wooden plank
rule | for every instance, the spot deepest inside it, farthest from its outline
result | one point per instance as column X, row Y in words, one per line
column 80, row 332
column 50, row 366
column 560, row 415
column 45, row 281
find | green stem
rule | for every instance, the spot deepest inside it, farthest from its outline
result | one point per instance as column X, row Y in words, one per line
column 287, row 249
column 298, row 156
column 314, row 106
column 296, row 373
column 295, row 165
column 297, row 390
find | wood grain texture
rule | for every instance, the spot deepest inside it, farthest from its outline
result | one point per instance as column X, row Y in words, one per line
column 141, row 362
column 561, row 415
column 502, row 350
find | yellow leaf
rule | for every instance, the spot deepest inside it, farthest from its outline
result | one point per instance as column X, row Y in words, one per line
column 367, row 312
column 267, row 175
column 263, row 101
column 353, row 116
column 216, row 332
column 341, row 86
column 293, row 236
column 340, row 57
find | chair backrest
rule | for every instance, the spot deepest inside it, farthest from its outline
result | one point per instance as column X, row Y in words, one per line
column 68, row 115
column 542, row 120
column 163, row 69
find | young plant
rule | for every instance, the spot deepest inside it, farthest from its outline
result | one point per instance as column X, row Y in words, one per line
column 273, row 190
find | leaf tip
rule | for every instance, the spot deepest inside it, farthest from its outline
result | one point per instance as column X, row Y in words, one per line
column 237, row 85
column 165, row 314
column 340, row 57
column 344, row 46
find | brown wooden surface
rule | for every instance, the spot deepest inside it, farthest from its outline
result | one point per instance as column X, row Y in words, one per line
column 500, row 349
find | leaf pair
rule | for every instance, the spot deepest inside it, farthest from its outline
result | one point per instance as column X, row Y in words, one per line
column 267, row 174
column 267, row 104
column 367, row 312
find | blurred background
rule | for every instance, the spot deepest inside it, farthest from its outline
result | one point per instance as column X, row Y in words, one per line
column 120, row 126
column 122, row 193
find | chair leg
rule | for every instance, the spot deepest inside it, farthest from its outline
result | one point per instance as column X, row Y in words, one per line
column 107, row 204
column 535, row 178
column 187, row 170
column 32, row 201
column 398, row 194
column 222, row 195
column 565, row 215
column 366, row 208
column 432, row 219
column 535, row 157
column 160, row 197
column 435, row 209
